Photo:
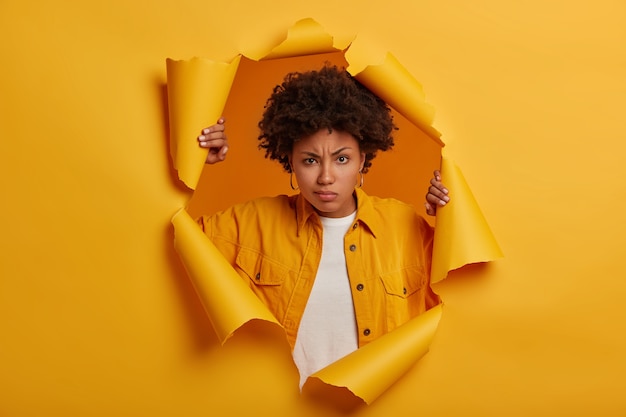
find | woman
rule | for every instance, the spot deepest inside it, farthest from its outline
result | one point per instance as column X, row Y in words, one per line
column 336, row 267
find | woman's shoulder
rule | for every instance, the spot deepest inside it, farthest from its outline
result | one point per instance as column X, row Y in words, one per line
column 262, row 213
column 265, row 203
column 384, row 205
column 260, row 207
column 391, row 212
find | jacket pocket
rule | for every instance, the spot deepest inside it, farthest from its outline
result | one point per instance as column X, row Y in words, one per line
column 260, row 269
column 405, row 282
column 271, row 281
column 405, row 295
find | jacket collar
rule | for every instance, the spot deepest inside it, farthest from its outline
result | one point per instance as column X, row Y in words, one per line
column 365, row 212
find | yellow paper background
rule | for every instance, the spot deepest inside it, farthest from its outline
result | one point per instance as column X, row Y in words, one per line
column 95, row 318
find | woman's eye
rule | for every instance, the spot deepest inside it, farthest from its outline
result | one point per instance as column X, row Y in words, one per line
column 309, row 161
column 342, row 159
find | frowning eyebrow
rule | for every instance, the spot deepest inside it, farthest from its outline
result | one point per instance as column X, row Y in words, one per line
column 337, row 152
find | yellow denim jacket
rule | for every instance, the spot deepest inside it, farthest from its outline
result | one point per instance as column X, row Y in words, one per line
column 275, row 244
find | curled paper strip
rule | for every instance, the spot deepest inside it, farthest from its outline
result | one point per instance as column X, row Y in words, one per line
column 399, row 89
column 372, row 369
column 197, row 90
column 228, row 302
column 462, row 235
column 306, row 37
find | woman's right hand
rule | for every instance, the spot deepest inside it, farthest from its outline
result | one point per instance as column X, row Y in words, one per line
column 437, row 195
column 214, row 138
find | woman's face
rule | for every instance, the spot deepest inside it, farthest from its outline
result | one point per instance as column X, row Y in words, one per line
column 326, row 166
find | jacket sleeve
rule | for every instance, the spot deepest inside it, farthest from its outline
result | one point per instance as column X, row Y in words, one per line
column 221, row 230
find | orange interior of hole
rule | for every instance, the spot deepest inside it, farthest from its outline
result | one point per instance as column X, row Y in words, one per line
column 402, row 172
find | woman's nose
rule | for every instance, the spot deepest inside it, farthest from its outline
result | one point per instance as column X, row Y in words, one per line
column 326, row 175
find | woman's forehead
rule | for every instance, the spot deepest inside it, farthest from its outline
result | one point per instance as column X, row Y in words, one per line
column 328, row 141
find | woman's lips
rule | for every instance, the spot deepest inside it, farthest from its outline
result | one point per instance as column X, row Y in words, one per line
column 326, row 195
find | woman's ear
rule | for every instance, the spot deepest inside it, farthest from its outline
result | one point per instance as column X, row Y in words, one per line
column 362, row 162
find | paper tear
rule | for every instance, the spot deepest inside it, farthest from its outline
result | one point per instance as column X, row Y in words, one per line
column 197, row 90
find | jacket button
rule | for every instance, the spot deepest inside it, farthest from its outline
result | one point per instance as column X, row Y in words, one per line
column 366, row 332
column 352, row 248
column 404, row 290
column 355, row 226
column 359, row 287
column 258, row 275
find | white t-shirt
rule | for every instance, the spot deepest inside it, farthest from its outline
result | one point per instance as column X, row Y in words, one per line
column 328, row 328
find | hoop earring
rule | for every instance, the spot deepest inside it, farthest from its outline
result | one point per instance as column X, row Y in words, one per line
column 291, row 182
column 362, row 178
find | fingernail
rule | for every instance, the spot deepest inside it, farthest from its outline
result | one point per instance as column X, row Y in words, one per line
column 446, row 198
column 201, row 138
column 442, row 203
column 225, row 150
column 206, row 131
column 445, row 190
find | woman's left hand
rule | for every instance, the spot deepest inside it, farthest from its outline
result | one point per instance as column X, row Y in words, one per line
column 437, row 195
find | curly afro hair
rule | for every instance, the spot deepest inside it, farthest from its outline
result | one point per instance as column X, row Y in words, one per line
column 326, row 99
